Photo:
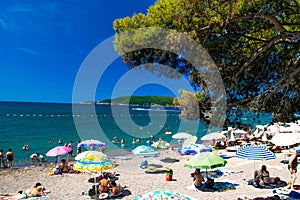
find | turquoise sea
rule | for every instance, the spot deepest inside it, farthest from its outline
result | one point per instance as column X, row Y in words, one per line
column 41, row 125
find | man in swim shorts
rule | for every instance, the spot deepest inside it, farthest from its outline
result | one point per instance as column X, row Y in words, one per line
column 9, row 158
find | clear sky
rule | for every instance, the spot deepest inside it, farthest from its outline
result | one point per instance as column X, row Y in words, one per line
column 43, row 44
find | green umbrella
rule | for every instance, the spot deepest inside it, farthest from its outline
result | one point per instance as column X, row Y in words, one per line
column 161, row 144
column 205, row 160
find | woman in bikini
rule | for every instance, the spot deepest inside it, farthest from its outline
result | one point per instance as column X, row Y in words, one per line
column 197, row 178
column 64, row 167
column 103, row 187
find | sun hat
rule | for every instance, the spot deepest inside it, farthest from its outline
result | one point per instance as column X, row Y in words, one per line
column 103, row 196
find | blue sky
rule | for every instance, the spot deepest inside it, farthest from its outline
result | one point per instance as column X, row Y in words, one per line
column 43, row 44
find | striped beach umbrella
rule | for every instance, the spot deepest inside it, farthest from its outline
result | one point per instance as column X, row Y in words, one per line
column 254, row 152
column 91, row 143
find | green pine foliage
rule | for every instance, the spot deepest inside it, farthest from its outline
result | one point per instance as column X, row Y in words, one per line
column 255, row 45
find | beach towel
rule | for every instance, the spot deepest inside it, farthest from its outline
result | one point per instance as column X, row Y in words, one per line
column 218, row 187
column 212, row 174
column 267, row 186
column 294, row 194
column 230, row 172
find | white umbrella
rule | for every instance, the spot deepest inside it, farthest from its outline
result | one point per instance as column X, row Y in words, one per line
column 88, row 153
column 181, row 135
column 91, row 143
column 285, row 139
column 240, row 131
column 214, row 136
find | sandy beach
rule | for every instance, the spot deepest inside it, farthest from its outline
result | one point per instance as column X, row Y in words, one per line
column 76, row 186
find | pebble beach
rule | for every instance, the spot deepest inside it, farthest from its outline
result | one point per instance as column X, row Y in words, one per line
column 137, row 182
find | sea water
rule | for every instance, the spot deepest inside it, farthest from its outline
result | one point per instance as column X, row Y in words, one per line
column 41, row 125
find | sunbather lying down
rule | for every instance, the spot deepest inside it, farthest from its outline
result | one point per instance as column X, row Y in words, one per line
column 34, row 191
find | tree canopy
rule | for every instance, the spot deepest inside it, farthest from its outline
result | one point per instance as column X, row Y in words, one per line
column 254, row 44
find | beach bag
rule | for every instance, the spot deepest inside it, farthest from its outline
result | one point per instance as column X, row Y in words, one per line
column 210, row 183
column 94, row 190
column 144, row 164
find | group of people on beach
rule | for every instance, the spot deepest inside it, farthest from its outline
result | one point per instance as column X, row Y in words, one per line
column 9, row 158
column 109, row 186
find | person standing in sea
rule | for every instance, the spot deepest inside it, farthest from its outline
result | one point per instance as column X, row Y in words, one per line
column 1, row 158
column 9, row 158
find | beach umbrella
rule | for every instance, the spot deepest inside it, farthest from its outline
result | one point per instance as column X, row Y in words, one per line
column 195, row 149
column 163, row 194
column 239, row 131
column 87, row 153
column 91, row 143
column 145, row 151
column 181, row 135
column 285, row 139
column 214, row 136
column 161, row 144
column 254, row 152
column 205, row 160
column 58, row 151
column 94, row 163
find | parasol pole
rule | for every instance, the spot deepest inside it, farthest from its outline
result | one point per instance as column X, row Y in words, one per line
column 254, row 169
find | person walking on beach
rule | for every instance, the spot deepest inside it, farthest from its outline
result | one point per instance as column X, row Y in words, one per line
column 70, row 145
column 1, row 158
column 9, row 158
column 292, row 166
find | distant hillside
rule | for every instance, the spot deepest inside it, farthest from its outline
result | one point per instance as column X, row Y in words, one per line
column 141, row 100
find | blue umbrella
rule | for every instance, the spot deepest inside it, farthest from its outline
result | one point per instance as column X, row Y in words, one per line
column 195, row 149
column 254, row 152
column 145, row 151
